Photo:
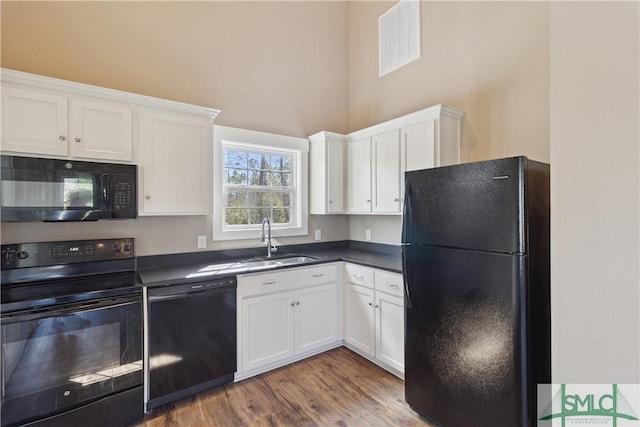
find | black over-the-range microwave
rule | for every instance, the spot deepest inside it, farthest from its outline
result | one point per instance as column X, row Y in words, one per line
column 35, row 189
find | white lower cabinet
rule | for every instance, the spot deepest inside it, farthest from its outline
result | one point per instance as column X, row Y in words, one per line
column 374, row 315
column 267, row 334
column 360, row 327
column 286, row 315
column 389, row 311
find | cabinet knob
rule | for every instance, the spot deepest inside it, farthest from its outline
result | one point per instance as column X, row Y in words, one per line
column 330, row 202
column 377, row 306
column 297, row 302
column 395, row 199
column 77, row 139
column 370, row 304
column 61, row 138
column 368, row 200
column 293, row 303
column 147, row 196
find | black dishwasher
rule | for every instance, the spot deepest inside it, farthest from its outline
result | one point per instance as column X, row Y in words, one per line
column 190, row 334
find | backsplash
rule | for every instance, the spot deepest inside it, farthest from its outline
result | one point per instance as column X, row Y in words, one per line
column 161, row 234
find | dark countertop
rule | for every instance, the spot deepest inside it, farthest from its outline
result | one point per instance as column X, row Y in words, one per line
column 157, row 271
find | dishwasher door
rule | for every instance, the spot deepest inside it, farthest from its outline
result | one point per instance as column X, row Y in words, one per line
column 190, row 338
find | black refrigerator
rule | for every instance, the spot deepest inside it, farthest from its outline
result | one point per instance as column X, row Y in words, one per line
column 475, row 248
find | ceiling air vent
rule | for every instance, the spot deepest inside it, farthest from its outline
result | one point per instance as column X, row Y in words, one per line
column 399, row 36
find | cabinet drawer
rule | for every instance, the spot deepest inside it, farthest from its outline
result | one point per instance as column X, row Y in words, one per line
column 319, row 275
column 359, row 275
column 288, row 279
column 266, row 283
column 388, row 282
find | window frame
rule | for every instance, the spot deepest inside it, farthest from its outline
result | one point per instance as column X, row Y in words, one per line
column 248, row 140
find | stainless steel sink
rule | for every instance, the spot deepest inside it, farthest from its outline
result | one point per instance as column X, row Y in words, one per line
column 275, row 262
column 254, row 264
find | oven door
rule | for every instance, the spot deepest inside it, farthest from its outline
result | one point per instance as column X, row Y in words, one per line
column 60, row 358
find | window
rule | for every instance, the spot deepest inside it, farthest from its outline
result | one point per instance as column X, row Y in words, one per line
column 257, row 185
column 259, row 175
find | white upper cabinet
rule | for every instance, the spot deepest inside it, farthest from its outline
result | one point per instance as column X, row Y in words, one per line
column 101, row 130
column 386, row 172
column 359, row 176
column 379, row 155
column 34, row 122
column 170, row 141
column 176, row 163
column 38, row 120
column 326, row 172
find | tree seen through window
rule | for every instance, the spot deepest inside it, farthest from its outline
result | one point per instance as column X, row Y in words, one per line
column 257, row 185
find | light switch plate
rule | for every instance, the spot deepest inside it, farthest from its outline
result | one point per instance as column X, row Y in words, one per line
column 318, row 234
column 202, row 242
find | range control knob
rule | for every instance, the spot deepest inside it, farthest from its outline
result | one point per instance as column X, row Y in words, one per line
column 8, row 255
column 128, row 247
column 23, row 255
column 117, row 248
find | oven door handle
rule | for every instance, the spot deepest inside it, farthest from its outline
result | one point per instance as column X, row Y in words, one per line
column 42, row 313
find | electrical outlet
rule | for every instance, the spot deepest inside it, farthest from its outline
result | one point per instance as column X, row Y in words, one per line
column 202, row 242
column 318, row 234
column 367, row 234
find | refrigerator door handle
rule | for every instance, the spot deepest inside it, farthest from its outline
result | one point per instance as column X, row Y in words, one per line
column 405, row 218
column 407, row 295
column 406, row 212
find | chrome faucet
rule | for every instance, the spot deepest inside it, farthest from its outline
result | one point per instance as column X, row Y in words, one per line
column 270, row 248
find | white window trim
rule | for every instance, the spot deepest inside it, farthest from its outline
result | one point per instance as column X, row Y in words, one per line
column 267, row 141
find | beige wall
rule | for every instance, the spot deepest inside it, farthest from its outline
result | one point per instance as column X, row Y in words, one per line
column 488, row 59
column 595, row 190
column 270, row 66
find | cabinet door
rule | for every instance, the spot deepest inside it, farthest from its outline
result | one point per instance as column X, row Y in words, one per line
column 267, row 329
column 386, row 171
column 335, row 178
column 359, row 166
column 390, row 330
column 101, row 130
column 176, row 159
column 419, row 146
column 316, row 317
column 34, row 122
column 359, row 312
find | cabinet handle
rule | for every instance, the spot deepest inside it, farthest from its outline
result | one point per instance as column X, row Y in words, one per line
column 77, row 140
column 393, row 285
column 357, row 277
column 317, row 275
column 61, row 138
column 147, row 196
column 270, row 282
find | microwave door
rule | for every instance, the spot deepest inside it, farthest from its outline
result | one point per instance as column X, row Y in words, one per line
column 51, row 195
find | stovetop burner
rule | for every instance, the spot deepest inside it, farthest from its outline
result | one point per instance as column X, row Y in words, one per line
column 50, row 273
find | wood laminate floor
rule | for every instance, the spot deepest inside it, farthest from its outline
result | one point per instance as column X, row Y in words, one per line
column 337, row 388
